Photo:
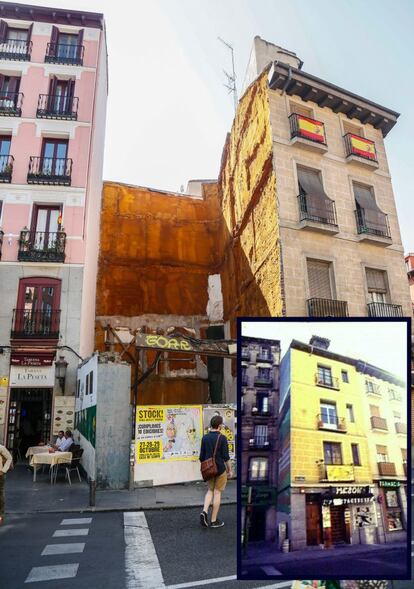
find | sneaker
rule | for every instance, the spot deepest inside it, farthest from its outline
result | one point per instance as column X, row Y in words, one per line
column 203, row 519
column 217, row 524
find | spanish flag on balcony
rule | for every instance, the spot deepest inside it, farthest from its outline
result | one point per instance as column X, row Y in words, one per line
column 363, row 147
column 311, row 129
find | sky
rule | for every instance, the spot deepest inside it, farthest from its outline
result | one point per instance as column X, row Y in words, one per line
column 168, row 111
column 383, row 344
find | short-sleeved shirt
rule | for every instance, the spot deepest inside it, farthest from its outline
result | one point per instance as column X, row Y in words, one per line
column 208, row 443
column 66, row 444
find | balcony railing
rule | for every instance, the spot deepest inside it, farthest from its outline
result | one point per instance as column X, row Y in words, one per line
column 41, row 246
column 6, row 168
column 400, row 428
column 34, row 324
column 15, row 49
column 380, row 229
column 386, row 469
column 384, row 310
column 329, row 383
column 50, row 170
column 262, row 381
column 11, row 104
column 1, row 241
column 307, row 128
column 259, row 444
column 64, row 53
column 335, row 424
column 309, row 211
column 361, row 147
column 53, row 106
column 257, row 412
column 260, row 358
column 373, row 389
column 379, row 423
column 327, row 308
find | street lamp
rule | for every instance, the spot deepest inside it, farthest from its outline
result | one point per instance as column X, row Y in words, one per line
column 60, row 372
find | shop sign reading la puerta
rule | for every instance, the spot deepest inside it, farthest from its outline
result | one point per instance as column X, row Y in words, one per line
column 32, row 376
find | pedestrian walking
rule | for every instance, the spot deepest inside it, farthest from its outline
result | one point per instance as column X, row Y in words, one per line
column 214, row 445
column 6, row 461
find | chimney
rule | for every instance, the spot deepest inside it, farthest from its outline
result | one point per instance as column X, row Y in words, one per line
column 319, row 342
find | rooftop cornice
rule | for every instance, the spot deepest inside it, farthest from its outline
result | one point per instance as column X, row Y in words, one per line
column 310, row 88
column 57, row 16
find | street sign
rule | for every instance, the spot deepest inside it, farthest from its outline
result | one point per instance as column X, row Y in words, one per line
column 178, row 343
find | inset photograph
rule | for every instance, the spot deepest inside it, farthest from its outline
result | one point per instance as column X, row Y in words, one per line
column 324, row 450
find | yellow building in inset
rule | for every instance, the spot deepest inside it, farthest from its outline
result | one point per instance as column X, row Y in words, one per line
column 328, row 490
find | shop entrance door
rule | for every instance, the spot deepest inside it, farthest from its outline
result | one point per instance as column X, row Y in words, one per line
column 313, row 523
column 29, row 418
column 338, row 524
column 257, row 530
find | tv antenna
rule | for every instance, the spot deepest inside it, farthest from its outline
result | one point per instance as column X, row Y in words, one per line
column 231, row 78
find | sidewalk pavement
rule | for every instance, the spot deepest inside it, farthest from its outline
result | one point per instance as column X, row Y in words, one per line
column 262, row 554
column 25, row 496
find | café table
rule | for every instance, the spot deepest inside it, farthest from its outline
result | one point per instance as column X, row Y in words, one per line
column 53, row 459
column 36, row 450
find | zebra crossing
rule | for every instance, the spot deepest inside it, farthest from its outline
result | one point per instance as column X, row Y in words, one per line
column 57, row 572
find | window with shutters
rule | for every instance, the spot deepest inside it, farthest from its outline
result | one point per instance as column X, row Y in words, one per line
column 350, row 413
column 382, row 453
column 370, row 218
column 328, row 414
column 314, row 203
column 261, row 435
column 344, row 374
column 325, row 375
column 355, row 455
column 258, row 469
column 332, row 453
column 319, row 279
column 377, row 285
column 300, row 109
column 374, row 411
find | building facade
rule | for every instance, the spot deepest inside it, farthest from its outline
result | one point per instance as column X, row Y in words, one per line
column 334, row 474
column 307, row 199
column 260, row 359
column 53, row 90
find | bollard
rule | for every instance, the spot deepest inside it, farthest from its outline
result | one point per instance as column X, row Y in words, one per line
column 92, row 492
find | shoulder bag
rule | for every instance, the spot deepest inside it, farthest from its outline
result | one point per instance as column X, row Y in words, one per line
column 209, row 467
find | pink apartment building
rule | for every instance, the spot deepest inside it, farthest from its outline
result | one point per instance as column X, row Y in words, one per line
column 53, row 92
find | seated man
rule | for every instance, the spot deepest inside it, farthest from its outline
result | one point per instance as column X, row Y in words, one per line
column 59, row 440
column 66, row 442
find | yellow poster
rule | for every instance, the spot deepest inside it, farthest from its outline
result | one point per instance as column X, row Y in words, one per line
column 339, row 472
column 168, row 432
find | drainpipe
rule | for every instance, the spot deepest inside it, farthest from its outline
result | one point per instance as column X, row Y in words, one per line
column 286, row 84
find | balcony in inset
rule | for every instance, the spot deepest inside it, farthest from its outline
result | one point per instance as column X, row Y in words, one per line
column 307, row 133
column 328, row 383
column 261, row 381
column 53, row 106
column 50, row 170
column 6, row 168
column 15, row 49
column 386, row 469
column 259, row 444
column 35, row 324
column 373, row 227
column 379, row 423
column 384, row 310
column 327, row 308
column 41, row 246
column 317, row 215
column 360, row 151
column 400, row 428
column 337, row 424
column 64, row 53
column 11, row 104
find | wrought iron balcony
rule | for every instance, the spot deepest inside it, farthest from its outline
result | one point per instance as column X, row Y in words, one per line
column 256, row 444
column 337, row 424
column 307, row 128
column 386, row 469
column 64, row 53
column 41, row 246
column 15, row 49
column 1, row 241
column 379, row 423
column 53, row 106
column 263, row 381
column 328, row 383
column 368, row 227
column 35, row 324
column 313, row 212
column 360, row 147
column 11, row 104
column 400, row 428
column 6, row 168
column 384, row 310
column 260, row 358
column 373, row 389
column 50, row 170
column 327, row 308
